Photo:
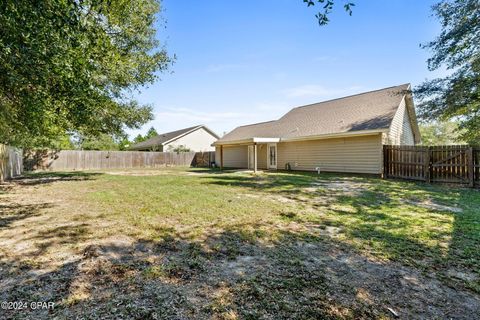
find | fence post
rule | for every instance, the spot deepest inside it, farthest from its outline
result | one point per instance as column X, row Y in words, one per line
column 426, row 169
column 471, row 168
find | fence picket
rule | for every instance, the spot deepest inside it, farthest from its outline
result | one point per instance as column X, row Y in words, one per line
column 11, row 162
column 100, row 160
column 450, row 164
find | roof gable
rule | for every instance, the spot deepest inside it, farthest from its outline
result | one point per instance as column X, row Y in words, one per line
column 368, row 111
column 164, row 138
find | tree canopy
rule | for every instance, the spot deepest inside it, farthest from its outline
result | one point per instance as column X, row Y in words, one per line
column 440, row 133
column 99, row 142
column 457, row 48
column 150, row 134
column 72, row 66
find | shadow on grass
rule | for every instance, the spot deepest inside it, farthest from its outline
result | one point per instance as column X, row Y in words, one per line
column 230, row 274
column 283, row 182
column 59, row 236
column 235, row 273
column 37, row 178
column 366, row 209
column 464, row 249
column 12, row 212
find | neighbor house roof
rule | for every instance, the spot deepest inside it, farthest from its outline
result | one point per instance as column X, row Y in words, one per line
column 365, row 112
column 164, row 138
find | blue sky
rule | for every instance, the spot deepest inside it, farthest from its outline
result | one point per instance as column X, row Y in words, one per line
column 240, row 62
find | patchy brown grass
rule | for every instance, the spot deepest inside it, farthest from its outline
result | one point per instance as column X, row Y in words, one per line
column 180, row 243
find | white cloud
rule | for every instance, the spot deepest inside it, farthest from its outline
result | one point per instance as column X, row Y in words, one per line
column 170, row 119
column 223, row 118
column 190, row 115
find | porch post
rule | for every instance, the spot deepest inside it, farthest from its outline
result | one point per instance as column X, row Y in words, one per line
column 221, row 157
column 255, row 157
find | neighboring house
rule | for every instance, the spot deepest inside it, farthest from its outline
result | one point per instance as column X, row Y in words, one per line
column 198, row 138
column 340, row 135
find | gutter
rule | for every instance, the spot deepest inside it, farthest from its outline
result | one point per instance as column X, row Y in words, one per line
column 302, row 138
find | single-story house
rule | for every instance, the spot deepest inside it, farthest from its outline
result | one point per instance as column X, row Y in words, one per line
column 198, row 138
column 339, row 135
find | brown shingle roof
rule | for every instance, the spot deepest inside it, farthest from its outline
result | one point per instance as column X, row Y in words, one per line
column 372, row 110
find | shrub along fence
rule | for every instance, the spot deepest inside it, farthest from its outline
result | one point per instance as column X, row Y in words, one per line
column 100, row 160
column 11, row 162
column 446, row 164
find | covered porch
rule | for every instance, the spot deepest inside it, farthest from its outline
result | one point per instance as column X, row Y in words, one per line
column 253, row 154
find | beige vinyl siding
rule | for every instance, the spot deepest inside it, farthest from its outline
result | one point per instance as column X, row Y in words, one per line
column 385, row 138
column 233, row 156
column 354, row 154
column 198, row 140
column 401, row 132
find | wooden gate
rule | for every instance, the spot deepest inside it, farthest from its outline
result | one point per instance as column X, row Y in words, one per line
column 444, row 164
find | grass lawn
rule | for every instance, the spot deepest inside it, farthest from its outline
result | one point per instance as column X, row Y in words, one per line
column 180, row 243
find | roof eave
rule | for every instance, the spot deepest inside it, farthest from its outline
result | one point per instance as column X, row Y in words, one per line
column 180, row 135
column 190, row 131
column 232, row 142
column 301, row 138
column 337, row 135
column 410, row 104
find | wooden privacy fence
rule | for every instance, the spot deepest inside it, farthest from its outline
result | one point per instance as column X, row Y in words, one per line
column 100, row 160
column 204, row 159
column 11, row 162
column 447, row 164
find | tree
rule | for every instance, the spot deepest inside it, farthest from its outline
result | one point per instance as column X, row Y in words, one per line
column 150, row 134
column 124, row 143
column 440, row 133
column 71, row 66
column 457, row 95
column 99, row 142
column 327, row 6
column 139, row 138
column 178, row 149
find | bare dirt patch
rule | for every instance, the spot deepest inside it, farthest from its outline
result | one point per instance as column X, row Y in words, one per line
column 140, row 173
column 429, row 204
column 56, row 247
column 346, row 186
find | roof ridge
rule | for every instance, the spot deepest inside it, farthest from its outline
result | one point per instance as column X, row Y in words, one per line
column 349, row 96
column 158, row 138
column 188, row 128
column 254, row 124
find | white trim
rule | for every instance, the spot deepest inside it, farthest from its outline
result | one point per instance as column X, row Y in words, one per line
column 247, row 141
column 337, row 135
column 268, row 156
column 312, row 137
column 179, row 136
column 233, row 142
column 266, row 140
column 410, row 106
